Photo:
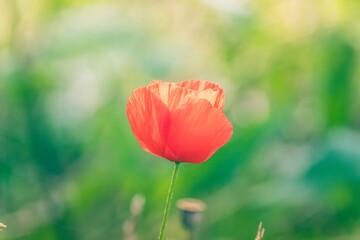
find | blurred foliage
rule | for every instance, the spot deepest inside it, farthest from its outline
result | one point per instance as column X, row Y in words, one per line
column 69, row 164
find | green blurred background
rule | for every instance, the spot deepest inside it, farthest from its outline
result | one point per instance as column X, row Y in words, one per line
column 69, row 164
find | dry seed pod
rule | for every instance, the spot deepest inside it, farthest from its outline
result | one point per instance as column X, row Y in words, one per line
column 190, row 212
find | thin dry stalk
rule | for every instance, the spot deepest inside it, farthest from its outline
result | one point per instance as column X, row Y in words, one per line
column 260, row 233
column 136, row 207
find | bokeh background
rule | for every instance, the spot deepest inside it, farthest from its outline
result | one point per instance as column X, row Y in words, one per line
column 69, row 164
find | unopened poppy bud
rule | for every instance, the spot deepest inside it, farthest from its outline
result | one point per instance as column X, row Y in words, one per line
column 190, row 212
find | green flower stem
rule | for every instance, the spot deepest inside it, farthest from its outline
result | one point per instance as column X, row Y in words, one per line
column 168, row 200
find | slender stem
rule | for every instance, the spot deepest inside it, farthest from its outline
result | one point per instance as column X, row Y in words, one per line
column 168, row 200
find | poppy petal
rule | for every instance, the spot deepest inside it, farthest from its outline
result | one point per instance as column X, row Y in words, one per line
column 149, row 119
column 171, row 94
column 197, row 131
column 206, row 90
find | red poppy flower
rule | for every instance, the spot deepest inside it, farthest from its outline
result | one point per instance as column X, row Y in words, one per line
column 182, row 122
